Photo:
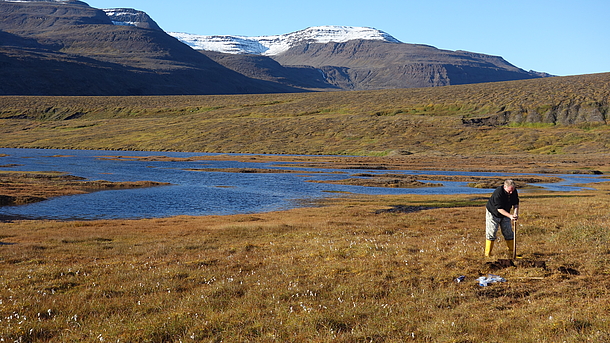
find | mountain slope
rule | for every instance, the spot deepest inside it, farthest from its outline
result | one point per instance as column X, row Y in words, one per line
column 355, row 58
column 56, row 46
column 365, row 64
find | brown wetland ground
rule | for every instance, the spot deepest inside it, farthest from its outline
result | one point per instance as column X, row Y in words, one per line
column 352, row 269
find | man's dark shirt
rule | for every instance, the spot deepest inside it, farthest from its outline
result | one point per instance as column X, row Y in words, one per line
column 501, row 199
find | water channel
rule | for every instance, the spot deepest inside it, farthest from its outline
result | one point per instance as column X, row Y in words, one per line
column 202, row 193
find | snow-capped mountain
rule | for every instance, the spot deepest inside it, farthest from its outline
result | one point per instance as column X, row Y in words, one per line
column 274, row 45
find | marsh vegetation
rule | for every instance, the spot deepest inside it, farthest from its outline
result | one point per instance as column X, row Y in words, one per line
column 350, row 270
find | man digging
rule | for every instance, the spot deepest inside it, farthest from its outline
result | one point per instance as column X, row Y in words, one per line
column 497, row 214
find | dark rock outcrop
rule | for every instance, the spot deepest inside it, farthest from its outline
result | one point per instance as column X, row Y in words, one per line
column 564, row 114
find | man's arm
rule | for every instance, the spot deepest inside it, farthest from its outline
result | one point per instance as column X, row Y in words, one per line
column 511, row 216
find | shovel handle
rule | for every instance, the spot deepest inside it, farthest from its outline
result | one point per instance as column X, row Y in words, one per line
column 513, row 224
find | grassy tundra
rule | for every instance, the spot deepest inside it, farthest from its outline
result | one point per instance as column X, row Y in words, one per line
column 542, row 116
column 355, row 269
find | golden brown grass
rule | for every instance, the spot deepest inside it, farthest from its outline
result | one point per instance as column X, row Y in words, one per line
column 506, row 117
column 342, row 272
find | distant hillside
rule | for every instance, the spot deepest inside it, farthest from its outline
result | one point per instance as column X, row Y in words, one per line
column 362, row 65
column 69, row 48
column 559, row 115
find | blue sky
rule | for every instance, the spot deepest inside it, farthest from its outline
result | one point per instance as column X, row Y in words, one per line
column 560, row 37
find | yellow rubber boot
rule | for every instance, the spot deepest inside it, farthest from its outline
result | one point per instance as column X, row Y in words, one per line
column 511, row 248
column 489, row 245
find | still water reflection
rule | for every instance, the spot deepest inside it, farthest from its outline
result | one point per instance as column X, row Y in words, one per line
column 196, row 192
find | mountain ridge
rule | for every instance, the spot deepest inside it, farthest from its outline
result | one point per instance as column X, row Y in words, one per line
column 348, row 71
column 70, row 48
column 66, row 47
column 278, row 44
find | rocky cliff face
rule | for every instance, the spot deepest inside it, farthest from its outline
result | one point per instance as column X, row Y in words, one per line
column 563, row 114
column 364, row 65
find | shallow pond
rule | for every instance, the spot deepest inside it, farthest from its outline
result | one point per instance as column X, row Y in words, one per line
column 202, row 193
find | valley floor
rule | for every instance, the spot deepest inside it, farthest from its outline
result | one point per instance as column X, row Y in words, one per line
column 357, row 269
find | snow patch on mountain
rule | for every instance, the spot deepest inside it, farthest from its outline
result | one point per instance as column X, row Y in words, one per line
column 130, row 17
column 122, row 16
column 274, row 45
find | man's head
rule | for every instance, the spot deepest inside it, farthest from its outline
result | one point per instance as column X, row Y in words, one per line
column 509, row 186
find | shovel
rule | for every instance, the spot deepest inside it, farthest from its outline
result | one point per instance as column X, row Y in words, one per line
column 513, row 223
